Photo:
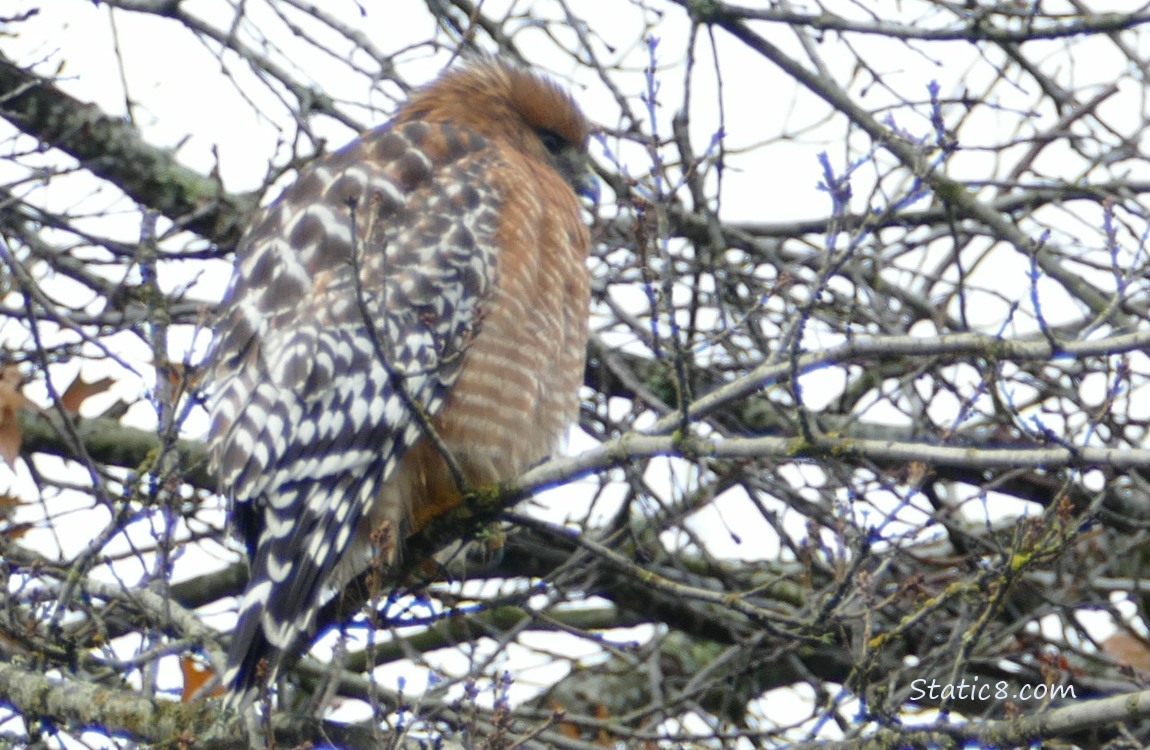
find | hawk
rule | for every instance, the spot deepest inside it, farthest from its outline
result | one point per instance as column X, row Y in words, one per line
column 421, row 291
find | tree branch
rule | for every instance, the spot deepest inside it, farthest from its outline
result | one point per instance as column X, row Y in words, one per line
column 112, row 149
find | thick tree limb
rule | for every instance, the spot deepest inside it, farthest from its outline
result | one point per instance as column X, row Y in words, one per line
column 111, row 148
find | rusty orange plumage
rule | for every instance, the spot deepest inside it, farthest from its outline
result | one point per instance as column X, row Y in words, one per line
column 433, row 269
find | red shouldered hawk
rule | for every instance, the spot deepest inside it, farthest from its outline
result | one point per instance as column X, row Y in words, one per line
column 432, row 271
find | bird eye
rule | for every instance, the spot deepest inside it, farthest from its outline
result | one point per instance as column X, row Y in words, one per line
column 552, row 141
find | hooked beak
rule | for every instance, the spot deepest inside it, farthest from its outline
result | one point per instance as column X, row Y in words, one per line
column 587, row 185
